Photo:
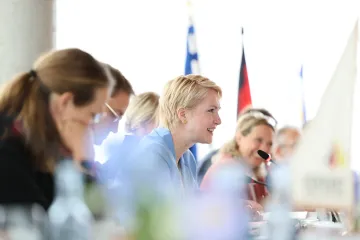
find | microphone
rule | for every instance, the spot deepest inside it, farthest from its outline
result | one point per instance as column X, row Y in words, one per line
column 266, row 156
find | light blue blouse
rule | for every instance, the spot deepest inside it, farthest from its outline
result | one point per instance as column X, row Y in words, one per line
column 155, row 156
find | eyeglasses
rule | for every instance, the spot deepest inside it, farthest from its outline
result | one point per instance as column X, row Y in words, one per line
column 116, row 116
column 98, row 117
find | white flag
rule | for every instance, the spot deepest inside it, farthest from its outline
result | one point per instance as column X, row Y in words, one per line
column 321, row 175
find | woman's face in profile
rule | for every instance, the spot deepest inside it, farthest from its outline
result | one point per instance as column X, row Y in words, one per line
column 114, row 111
column 204, row 118
column 260, row 138
column 89, row 113
column 72, row 120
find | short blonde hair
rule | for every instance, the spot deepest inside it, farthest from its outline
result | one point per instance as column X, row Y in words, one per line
column 183, row 92
column 143, row 109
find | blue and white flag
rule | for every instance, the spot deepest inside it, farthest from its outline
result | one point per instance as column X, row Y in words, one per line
column 303, row 102
column 192, row 62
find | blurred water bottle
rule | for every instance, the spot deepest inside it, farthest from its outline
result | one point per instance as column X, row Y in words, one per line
column 281, row 226
column 2, row 222
column 24, row 222
column 69, row 216
column 356, row 213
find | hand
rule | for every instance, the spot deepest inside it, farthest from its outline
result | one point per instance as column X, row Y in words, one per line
column 255, row 210
column 254, row 206
column 78, row 138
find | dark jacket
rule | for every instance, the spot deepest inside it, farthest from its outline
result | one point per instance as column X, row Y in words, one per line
column 20, row 182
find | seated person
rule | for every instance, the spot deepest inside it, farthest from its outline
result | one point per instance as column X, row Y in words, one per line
column 52, row 107
column 285, row 142
column 114, row 108
column 189, row 114
column 141, row 117
column 254, row 131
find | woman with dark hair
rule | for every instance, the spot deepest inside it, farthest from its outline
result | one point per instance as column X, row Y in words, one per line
column 115, row 107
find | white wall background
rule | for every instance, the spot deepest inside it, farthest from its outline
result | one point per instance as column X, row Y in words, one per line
column 146, row 40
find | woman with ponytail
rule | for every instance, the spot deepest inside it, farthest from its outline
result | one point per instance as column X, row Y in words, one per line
column 51, row 107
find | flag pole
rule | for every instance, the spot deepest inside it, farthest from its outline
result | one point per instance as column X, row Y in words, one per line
column 189, row 11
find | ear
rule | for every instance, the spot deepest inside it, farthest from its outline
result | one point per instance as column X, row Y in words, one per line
column 238, row 136
column 64, row 100
column 181, row 113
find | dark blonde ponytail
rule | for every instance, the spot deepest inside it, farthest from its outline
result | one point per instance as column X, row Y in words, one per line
column 22, row 98
column 27, row 96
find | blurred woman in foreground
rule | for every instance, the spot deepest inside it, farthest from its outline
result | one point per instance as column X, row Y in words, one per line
column 52, row 106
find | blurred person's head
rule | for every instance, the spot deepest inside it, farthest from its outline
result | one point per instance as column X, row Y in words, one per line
column 63, row 87
column 190, row 106
column 142, row 115
column 254, row 131
column 285, row 142
column 115, row 107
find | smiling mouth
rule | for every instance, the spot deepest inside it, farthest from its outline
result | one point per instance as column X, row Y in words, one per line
column 211, row 130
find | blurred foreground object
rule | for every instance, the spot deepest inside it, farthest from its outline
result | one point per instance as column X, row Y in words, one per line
column 320, row 166
column 18, row 222
column 70, row 218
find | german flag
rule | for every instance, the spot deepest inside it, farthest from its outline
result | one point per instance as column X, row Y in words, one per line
column 244, row 95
